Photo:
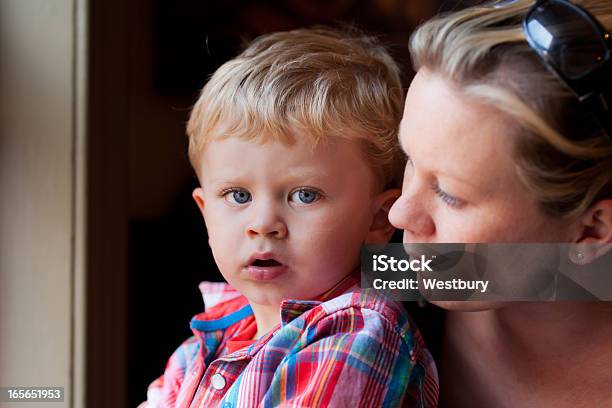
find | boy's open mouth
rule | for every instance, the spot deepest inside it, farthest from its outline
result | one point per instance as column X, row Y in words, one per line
column 263, row 267
column 266, row 263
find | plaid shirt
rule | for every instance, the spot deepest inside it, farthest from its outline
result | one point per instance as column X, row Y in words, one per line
column 357, row 349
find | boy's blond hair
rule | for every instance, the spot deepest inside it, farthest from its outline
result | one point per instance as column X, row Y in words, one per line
column 310, row 83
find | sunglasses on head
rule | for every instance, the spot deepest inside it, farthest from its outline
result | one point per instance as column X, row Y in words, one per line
column 577, row 49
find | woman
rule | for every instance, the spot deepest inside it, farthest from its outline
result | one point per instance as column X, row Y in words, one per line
column 501, row 150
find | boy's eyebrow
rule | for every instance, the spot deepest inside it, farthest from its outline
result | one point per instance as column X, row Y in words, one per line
column 305, row 172
column 224, row 176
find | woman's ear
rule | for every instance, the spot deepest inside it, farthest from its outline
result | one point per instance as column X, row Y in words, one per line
column 381, row 229
column 198, row 197
column 595, row 234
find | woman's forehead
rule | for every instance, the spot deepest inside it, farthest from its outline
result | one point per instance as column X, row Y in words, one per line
column 445, row 132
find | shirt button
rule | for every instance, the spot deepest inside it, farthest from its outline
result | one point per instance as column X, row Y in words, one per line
column 218, row 382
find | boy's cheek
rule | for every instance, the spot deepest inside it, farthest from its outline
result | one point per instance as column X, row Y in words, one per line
column 225, row 258
column 335, row 241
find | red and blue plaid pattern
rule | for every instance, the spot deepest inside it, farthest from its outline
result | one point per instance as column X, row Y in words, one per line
column 358, row 349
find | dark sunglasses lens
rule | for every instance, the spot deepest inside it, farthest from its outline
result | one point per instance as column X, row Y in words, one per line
column 573, row 44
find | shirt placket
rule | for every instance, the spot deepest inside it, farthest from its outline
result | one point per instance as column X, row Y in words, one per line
column 219, row 377
column 190, row 382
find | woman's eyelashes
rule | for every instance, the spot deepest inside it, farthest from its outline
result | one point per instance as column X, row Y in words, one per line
column 301, row 195
column 450, row 200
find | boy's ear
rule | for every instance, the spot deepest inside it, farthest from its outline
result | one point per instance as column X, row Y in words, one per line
column 594, row 233
column 198, row 197
column 381, row 229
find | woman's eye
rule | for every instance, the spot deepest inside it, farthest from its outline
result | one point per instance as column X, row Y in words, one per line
column 305, row 196
column 447, row 198
column 237, row 196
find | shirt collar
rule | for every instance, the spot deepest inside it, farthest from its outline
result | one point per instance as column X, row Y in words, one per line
column 293, row 308
column 237, row 307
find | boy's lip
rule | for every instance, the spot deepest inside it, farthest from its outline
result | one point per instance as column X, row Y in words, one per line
column 263, row 256
column 266, row 271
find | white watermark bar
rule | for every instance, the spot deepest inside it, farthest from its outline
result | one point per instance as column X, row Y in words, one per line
column 489, row 271
column 31, row 394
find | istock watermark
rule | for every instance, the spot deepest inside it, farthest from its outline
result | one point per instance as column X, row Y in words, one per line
column 493, row 272
column 383, row 263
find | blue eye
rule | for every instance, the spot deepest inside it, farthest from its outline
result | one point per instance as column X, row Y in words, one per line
column 447, row 198
column 305, row 196
column 237, row 196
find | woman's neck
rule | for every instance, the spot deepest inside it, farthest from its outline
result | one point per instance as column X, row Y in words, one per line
column 529, row 354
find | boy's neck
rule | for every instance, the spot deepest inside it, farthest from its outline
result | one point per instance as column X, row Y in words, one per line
column 266, row 316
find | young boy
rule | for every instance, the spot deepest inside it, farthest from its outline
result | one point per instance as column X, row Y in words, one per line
column 294, row 145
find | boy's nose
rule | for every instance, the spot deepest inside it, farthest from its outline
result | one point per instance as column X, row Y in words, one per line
column 267, row 223
column 409, row 214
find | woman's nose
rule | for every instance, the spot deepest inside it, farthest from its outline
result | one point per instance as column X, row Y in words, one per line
column 266, row 222
column 409, row 214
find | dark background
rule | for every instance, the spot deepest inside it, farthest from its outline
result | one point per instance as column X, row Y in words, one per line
column 149, row 58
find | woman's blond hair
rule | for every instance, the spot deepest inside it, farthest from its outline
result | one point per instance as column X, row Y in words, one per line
column 561, row 153
column 314, row 84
